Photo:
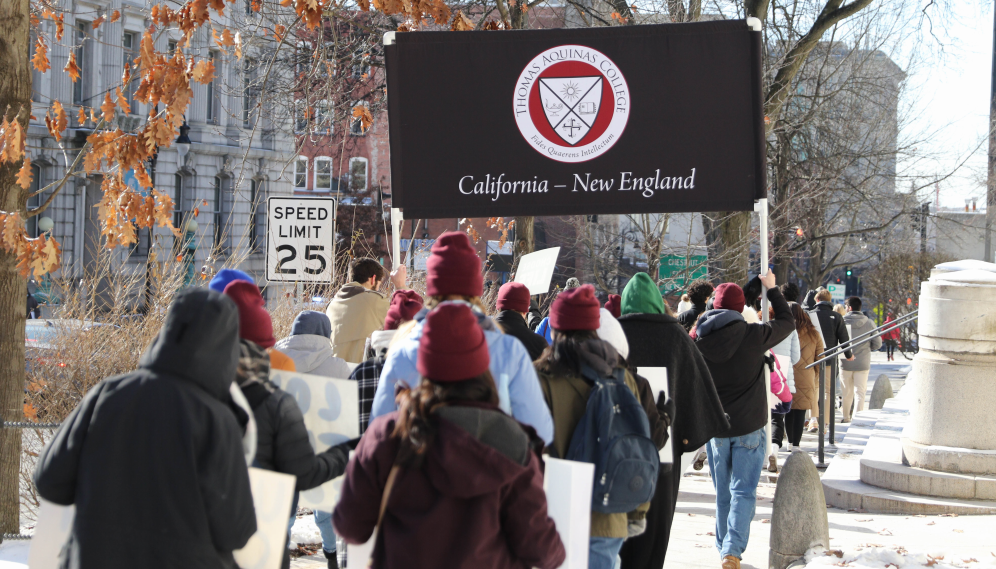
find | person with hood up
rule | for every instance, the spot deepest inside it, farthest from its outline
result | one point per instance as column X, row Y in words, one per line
column 734, row 351
column 449, row 480
column 657, row 340
column 153, row 459
column 513, row 305
column 359, row 307
column 310, row 348
column 854, row 372
column 225, row 276
column 282, row 438
column 454, row 273
column 698, row 293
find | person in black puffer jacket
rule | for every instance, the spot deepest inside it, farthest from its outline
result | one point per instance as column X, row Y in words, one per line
column 513, row 304
column 283, row 444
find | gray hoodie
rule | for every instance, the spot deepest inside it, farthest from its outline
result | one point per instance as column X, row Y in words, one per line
column 310, row 348
column 860, row 324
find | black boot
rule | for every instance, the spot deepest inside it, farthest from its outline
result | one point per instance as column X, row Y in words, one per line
column 333, row 562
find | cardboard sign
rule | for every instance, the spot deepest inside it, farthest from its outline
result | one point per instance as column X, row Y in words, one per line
column 621, row 119
column 657, row 377
column 51, row 534
column 331, row 409
column 300, row 233
column 536, row 270
column 568, row 487
column 272, row 496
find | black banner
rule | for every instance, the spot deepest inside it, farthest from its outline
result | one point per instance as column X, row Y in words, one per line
column 628, row 119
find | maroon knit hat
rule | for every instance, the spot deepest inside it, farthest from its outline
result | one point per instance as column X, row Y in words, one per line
column 575, row 309
column 452, row 346
column 454, row 267
column 254, row 321
column 513, row 296
column 729, row 296
column 614, row 305
column 405, row 304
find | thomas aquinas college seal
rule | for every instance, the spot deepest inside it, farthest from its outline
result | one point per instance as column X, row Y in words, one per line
column 571, row 103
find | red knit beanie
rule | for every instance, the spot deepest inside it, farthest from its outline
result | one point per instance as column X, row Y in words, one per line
column 254, row 321
column 614, row 305
column 452, row 346
column 513, row 296
column 405, row 304
column 575, row 309
column 454, row 267
column 729, row 296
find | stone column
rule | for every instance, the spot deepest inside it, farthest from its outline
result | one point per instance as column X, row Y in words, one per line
column 952, row 426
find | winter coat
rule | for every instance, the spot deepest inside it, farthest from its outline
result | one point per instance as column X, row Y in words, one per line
column 734, row 351
column 806, row 394
column 860, row 325
column 545, row 330
column 475, row 501
column 313, row 354
column 688, row 318
column 513, row 324
column 789, row 348
column 282, row 439
column 658, row 340
column 891, row 334
column 355, row 312
column 519, row 392
column 567, row 396
column 153, row 458
column 832, row 326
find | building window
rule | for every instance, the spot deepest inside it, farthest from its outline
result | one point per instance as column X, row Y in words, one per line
column 36, row 76
column 257, row 215
column 178, row 196
column 34, row 201
column 129, row 42
column 171, row 48
column 358, row 174
column 250, row 94
column 220, row 229
column 301, row 173
column 323, row 174
column 213, row 95
column 323, row 117
column 356, row 126
column 83, row 48
column 300, row 116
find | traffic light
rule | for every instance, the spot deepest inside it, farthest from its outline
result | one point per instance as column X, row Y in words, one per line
column 848, row 271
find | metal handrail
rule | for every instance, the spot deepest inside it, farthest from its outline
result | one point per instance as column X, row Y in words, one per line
column 904, row 319
column 840, row 348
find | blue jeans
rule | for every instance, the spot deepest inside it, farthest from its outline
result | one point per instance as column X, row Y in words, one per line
column 324, row 522
column 603, row 552
column 735, row 464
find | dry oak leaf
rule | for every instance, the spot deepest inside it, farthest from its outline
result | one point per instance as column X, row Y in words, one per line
column 98, row 21
column 81, row 116
column 204, row 71
column 278, row 32
column 13, row 139
column 122, row 101
column 40, row 59
column 115, row 16
column 24, row 174
column 107, row 109
column 362, row 112
column 226, row 38
column 71, row 68
column 60, row 122
column 461, row 23
column 60, row 26
column 30, row 412
column 52, row 254
column 13, row 230
column 35, row 20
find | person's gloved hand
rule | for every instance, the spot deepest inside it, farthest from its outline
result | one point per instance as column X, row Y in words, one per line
column 350, row 444
column 665, row 407
column 636, row 527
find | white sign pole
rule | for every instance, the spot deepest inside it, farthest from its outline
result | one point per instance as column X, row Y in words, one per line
column 397, row 218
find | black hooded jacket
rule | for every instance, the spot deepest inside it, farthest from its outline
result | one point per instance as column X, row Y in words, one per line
column 153, row 459
column 734, row 351
column 513, row 324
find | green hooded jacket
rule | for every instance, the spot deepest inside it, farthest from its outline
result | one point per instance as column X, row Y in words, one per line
column 641, row 296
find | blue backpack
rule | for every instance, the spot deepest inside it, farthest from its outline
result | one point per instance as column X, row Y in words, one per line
column 614, row 435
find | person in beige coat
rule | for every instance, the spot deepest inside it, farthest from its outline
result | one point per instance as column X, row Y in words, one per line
column 807, row 389
column 359, row 307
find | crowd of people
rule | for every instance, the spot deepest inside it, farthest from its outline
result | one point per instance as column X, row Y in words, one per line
column 458, row 409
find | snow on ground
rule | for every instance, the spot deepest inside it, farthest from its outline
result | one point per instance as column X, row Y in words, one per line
column 14, row 554
column 304, row 531
column 873, row 556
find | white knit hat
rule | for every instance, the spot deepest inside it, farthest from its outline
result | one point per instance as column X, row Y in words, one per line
column 611, row 331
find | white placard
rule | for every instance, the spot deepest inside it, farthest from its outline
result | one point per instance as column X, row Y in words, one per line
column 657, row 377
column 51, row 534
column 272, row 496
column 331, row 409
column 568, row 484
column 300, row 233
column 535, row 270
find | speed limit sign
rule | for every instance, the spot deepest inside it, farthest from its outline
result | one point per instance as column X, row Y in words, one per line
column 299, row 237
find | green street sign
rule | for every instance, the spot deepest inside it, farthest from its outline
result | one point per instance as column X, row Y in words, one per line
column 674, row 267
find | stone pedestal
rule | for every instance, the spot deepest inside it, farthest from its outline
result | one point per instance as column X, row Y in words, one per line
column 952, row 425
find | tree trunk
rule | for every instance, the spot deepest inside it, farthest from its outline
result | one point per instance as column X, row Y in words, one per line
column 525, row 235
column 15, row 98
column 735, row 235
